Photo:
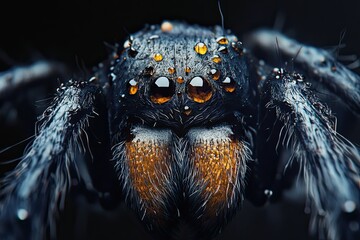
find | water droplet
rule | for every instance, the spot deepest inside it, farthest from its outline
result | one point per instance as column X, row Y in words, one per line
column 199, row 90
column 349, row 206
column 216, row 59
column 158, row 57
column 215, row 74
column 223, row 49
column 133, row 86
column 113, row 76
column 201, row 48
column 187, row 110
column 22, row 214
column 268, row 193
column 161, row 90
column 229, row 84
column 171, row 70
column 180, row 79
column 222, row 40
column 166, row 26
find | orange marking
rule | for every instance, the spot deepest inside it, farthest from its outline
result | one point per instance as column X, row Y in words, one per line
column 217, row 163
column 149, row 167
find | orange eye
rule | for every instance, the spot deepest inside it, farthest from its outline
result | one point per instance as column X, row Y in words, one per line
column 229, row 84
column 161, row 90
column 199, row 90
column 133, row 87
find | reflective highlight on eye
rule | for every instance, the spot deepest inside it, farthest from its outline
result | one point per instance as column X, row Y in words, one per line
column 199, row 90
column 133, row 87
column 201, row 48
column 161, row 90
column 229, row 84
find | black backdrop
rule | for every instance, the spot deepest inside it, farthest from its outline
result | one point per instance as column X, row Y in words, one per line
column 74, row 32
column 66, row 30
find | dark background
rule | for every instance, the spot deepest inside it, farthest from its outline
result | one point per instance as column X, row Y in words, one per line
column 74, row 33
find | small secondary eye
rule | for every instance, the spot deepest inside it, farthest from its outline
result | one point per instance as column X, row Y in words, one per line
column 161, row 90
column 229, row 84
column 133, row 87
column 199, row 90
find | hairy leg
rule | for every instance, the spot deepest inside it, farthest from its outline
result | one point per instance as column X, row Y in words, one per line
column 318, row 64
column 330, row 165
column 35, row 190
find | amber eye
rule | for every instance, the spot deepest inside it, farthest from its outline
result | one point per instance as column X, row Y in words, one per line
column 161, row 90
column 133, row 86
column 229, row 84
column 199, row 89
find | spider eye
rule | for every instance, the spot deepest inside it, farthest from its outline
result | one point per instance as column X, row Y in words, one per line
column 161, row 90
column 133, row 86
column 229, row 84
column 199, row 90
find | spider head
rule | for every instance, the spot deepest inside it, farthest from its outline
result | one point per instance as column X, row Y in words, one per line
column 178, row 91
column 180, row 76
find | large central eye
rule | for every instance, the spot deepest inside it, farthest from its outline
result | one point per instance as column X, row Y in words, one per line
column 199, row 90
column 161, row 90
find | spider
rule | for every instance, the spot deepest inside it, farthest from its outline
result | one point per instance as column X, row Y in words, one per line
column 183, row 123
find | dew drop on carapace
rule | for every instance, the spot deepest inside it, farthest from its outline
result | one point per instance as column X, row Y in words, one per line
column 133, row 86
column 161, row 90
column 171, row 70
column 166, row 26
column 229, row 84
column 180, row 79
column 199, row 90
column 158, row 57
column 201, row 48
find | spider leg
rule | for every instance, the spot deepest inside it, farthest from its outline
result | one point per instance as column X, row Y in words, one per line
column 35, row 190
column 318, row 64
column 16, row 78
column 329, row 163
